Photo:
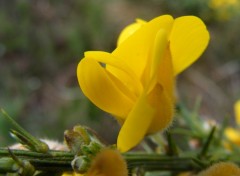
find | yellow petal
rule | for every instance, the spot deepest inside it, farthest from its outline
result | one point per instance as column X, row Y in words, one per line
column 129, row 30
column 161, row 97
column 237, row 112
column 166, row 75
column 158, row 53
column 188, row 40
column 124, row 73
column 233, row 135
column 163, row 104
column 97, row 84
column 135, row 49
column 136, row 124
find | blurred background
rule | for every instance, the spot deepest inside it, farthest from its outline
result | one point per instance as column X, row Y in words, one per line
column 42, row 41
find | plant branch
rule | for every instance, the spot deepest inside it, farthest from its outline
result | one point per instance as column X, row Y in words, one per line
column 61, row 161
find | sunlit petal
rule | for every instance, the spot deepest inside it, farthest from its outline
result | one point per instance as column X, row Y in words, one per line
column 188, row 40
column 97, row 85
column 135, row 49
column 135, row 125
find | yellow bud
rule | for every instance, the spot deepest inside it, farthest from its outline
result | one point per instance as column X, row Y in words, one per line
column 221, row 169
column 108, row 162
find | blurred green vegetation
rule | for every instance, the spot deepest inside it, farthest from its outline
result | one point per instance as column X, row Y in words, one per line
column 41, row 43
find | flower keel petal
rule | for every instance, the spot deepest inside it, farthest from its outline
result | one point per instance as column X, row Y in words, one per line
column 135, row 125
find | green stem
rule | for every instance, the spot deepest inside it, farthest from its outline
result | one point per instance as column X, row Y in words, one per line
column 24, row 137
column 60, row 161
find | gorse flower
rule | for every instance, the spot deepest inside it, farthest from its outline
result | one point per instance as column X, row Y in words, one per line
column 135, row 83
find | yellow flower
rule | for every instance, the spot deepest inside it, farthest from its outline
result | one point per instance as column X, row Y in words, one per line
column 135, row 82
column 108, row 162
column 233, row 134
column 221, row 169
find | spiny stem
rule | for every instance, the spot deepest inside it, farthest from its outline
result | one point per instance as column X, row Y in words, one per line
column 60, row 161
column 25, row 137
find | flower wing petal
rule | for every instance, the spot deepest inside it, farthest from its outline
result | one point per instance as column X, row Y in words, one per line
column 188, row 39
column 98, row 85
column 136, row 124
column 121, row 70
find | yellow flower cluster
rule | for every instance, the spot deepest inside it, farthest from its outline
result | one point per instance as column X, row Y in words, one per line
column 135, row 83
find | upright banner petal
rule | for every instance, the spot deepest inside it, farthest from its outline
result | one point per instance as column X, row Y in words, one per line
column 188, row 39
column 135, row 49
